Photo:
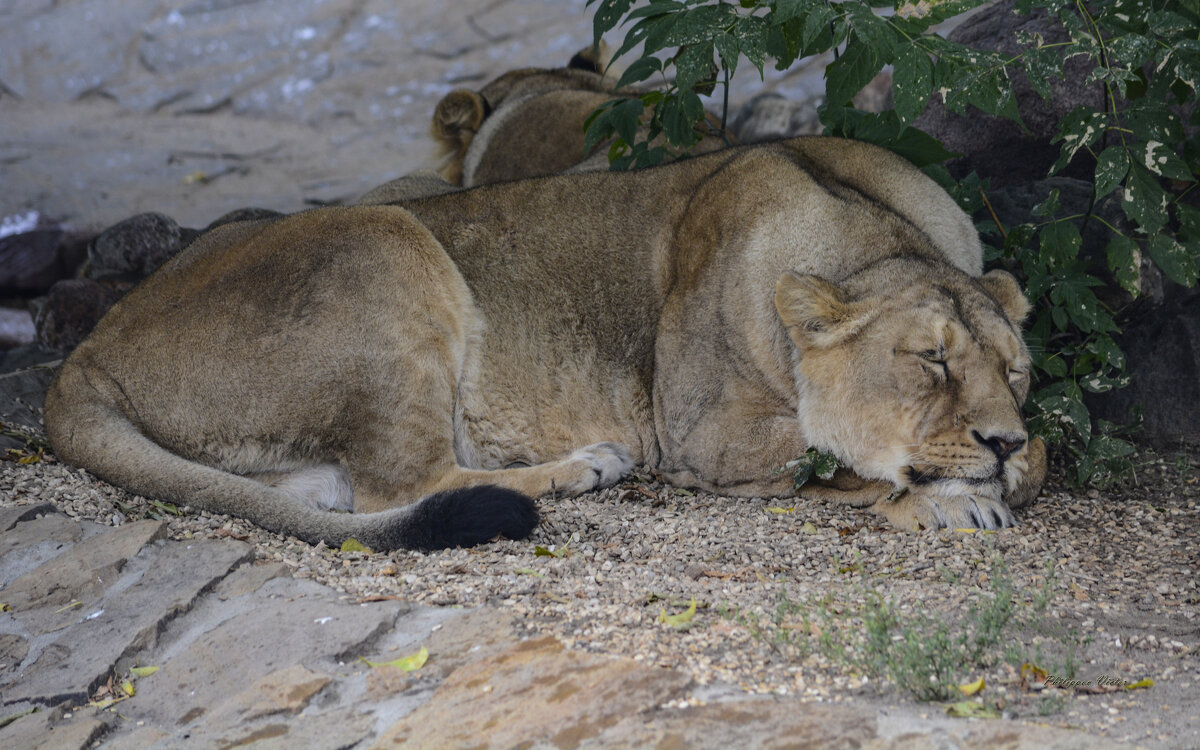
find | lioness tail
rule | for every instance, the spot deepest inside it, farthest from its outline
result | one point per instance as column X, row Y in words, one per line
column 92, row 434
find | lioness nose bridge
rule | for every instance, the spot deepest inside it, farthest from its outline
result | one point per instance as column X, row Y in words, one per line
column 1002, row 443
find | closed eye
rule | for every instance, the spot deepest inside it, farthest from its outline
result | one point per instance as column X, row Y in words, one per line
column 934, row 357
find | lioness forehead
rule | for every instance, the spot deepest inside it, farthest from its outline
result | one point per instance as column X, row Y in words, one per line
column 953, row 321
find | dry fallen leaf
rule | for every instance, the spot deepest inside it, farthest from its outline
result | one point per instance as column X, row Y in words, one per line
column 409, row 663
column 681, row 620
column 353, row 545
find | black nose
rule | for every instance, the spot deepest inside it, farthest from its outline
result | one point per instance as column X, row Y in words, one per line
column 1002, row 445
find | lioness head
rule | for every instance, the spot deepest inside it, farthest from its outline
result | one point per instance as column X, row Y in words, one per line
column 914, row 373
column 460, row 115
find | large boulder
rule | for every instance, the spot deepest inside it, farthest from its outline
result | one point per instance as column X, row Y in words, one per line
column 997, row 148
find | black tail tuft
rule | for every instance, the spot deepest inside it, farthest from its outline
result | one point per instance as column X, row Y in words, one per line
column 470, row 516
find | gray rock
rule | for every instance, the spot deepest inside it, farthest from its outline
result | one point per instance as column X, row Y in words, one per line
column 213, row 655
column 134, row 248
column 996, row 148
column 123, row 620
column 25, row 373
column 45, row 534
column 562, row 698
column 71, row 309
column 47, row 730
column 16, row 328
column 10, row 517
column 30, row 261
column 769, row 117
column 1162, row 346
column 815, row 727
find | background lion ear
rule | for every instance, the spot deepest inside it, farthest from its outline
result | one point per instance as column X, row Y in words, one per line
column 458, row 114
column 815, row 311
column 1004, row 289
column 594, row 59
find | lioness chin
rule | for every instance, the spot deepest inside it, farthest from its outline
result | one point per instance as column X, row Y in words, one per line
column 433, row 365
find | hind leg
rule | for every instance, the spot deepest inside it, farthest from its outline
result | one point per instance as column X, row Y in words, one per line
column 402, row 445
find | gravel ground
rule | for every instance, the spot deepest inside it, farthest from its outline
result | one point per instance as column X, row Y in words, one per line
column 781, row 588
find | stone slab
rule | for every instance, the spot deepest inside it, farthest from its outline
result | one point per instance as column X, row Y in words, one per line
column 34, row 542
column 283, row 624
column 155, row 588
column 47, row 730
column 44, row 598
column 534, row 693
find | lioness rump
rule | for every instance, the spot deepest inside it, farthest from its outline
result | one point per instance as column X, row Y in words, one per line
column 432, row 364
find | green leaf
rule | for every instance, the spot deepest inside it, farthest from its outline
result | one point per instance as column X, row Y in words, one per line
column 1162, row 160
column 912, row 82
column 626, row 118
column 824, row 465
column 410, row 663
column 1050, row 206
column 1124, row 259
column 1065, row 409
column 1052, row 364
column 563, row 551
column 1042, row 66
column 1189, row 220
column 679, row 117
column 693, row 64
column 1111, row 167
column 1060, row 242
column 700, row 24
column 847, row 75
column 1130, row 50
column 143, row 671
column 1144, row 201
column 873, row 30
column 885, row 129
column 1079, row 129
column 751, row 34
column 1074, row 296
column 817, row 28
column 1180, row 262
column 813, row 462
column 353, row 545
column 608, row 14
column 640, row 70
column 598, row 126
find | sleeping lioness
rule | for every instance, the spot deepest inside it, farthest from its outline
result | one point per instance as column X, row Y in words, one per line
column 432, row 365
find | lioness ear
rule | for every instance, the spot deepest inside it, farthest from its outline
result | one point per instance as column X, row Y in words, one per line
column 457, row 116
column 815, row 311
column 593, row 58
column 1004, row 289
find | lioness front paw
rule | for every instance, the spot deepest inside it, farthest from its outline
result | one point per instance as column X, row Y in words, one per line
column 604, row 464
column 916, row 510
